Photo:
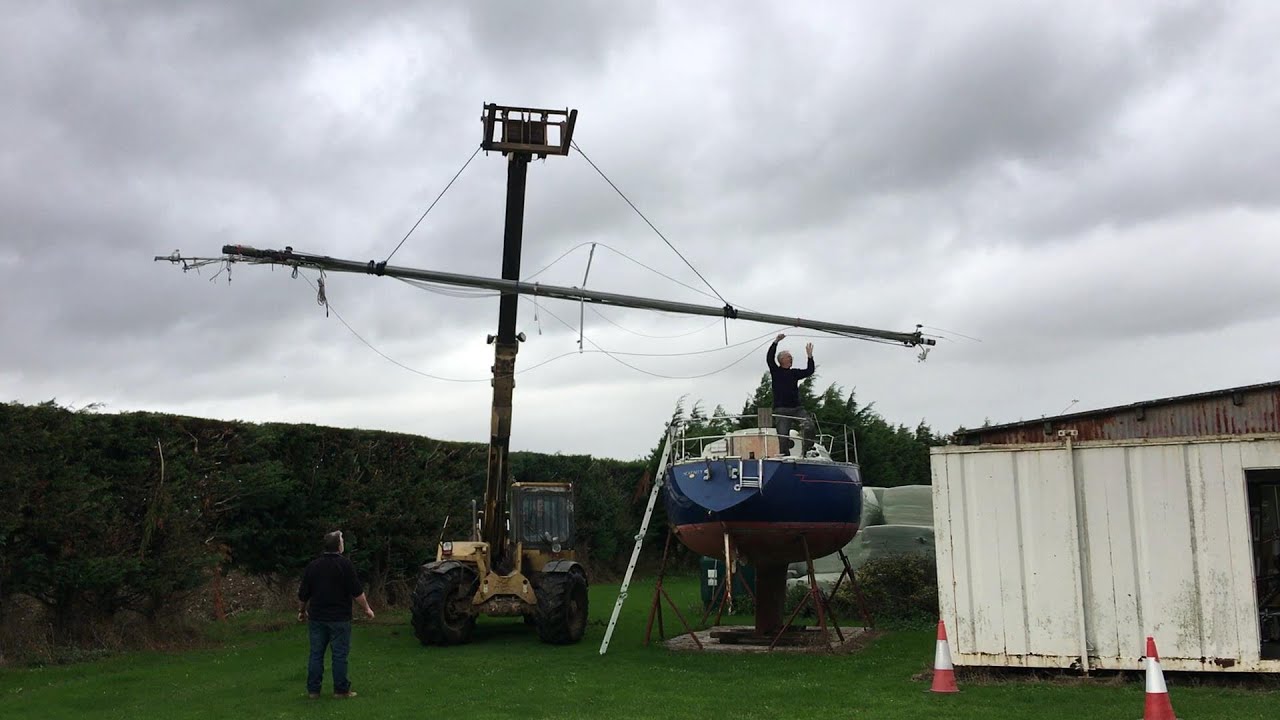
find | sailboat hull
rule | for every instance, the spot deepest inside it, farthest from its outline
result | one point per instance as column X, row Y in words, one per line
column 799, row 502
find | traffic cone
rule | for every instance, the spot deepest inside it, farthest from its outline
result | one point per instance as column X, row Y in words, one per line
column 944, row 675
column 1158, row 706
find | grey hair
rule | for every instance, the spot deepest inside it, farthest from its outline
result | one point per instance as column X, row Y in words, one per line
column 332, row 541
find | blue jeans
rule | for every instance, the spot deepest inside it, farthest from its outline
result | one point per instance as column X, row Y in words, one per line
column 325, row 634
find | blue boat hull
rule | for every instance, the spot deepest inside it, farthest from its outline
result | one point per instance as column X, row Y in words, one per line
column 799, row 503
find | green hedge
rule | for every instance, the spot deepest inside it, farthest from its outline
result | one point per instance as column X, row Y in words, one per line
column 901, row 592
column 103, row 512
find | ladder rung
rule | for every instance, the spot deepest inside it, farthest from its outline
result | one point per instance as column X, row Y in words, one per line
column 749, row 481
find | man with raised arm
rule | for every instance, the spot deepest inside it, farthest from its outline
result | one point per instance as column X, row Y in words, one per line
column 786, row 396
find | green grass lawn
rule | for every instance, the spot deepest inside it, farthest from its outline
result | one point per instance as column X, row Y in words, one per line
column 506, row 673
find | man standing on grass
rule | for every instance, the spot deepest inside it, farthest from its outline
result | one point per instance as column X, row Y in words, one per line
column 329, row 584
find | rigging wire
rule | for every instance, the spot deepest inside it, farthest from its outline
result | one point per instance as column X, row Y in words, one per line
column 329, row 308
column 475, row 295
column 749, row 353
column 650, row 224
column 628, row 257
column 322, row 299
column 953, row 332
column 646, row 267
column 444, row 289
column 547, row 267
column 438, row 288
column 666, row 354
column 447, row 290
column 849, row 336
column 613, row 356
column 433, row 202
column 662, row 274
column 450, row 291
column 637, row 333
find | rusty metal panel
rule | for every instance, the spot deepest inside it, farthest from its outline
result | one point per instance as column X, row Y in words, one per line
column 1070, row 555
column 1235, row 411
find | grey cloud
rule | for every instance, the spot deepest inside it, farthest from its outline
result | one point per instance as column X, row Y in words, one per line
column 969, row 95
column 1127, row 289
column 1041, row 176
column 518, row 36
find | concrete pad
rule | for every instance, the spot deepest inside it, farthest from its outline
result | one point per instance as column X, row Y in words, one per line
column 741, row 639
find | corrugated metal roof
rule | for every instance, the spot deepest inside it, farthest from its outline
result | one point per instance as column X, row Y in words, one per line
column 1234, row 411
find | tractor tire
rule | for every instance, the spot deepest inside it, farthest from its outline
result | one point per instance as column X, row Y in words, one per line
column 436, row 600
column 562, row 607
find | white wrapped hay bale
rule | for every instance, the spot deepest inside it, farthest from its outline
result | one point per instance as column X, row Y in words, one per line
column 884, row 540
column 907, row 505
column 872, row 514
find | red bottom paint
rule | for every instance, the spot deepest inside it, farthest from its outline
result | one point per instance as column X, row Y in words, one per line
column 767, row 543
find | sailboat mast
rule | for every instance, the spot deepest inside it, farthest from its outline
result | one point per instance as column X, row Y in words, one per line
column 514, row 287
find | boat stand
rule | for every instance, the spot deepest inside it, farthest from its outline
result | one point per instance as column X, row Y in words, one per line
column 820, row 601
column 790, row 635
column 660, row 592
column 820, row 604
column 857, row 590
column 726, row 595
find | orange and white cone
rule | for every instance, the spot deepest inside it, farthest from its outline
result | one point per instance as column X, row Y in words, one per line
column 944, row 675
column 1158, row 706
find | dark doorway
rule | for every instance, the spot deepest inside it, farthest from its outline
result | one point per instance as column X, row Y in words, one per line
column 1264, row 527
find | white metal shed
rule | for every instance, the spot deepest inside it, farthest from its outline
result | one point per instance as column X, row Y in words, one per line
column 1069, row 554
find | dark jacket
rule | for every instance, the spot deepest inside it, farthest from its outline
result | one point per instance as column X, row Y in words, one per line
column 330, row 583
column 786, row 381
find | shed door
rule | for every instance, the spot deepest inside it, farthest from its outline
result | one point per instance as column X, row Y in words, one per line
column 1008, row 553
column 1264, row 532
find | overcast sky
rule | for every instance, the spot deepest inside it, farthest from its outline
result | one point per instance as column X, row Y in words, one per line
column 1092, row 190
